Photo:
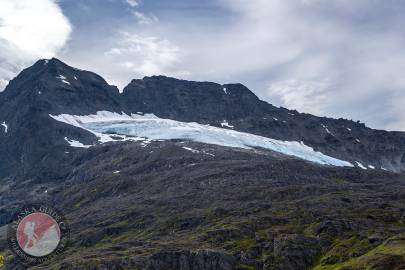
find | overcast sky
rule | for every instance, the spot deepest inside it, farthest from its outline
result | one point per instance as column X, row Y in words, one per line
column 339, row 58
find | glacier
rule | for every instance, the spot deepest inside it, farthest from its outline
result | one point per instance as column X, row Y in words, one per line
column 107, row 126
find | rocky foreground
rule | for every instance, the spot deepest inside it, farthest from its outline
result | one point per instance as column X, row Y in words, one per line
column 172, row 209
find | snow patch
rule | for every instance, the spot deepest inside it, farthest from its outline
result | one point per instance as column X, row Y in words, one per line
column 191, row 150
column 197, row 151
column 357, row 140
column 326, row 129
column 146, row 143
column 226, row 124
column 208, row 154
column 107, row 125
column 63, row 79
column 116, row 172
column 4, row 124
column 361, row 165
column 349, row 129
column 77, row 144
column 371, row 167
column 225, row 90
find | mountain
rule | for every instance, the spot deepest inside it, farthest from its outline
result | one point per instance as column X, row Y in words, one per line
column 34, row 143
column 214, row 104
column 187, row 101
column 51, row 87
column 174, row 174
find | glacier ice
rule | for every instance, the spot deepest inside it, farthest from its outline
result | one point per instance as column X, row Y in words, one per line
column 106, row 125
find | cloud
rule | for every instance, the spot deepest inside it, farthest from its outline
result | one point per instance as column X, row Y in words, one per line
column 307, row 96
column 132, row 3
column 29, row 30
column 145, row 19
column 145, row 56
column 142, row 18
column 339, row 58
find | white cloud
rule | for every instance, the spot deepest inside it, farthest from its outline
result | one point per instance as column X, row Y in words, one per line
column 305, row 96
column 29, row 30
column 145, row 19
column 132, row 3
column 142, row 18
column 145, row 56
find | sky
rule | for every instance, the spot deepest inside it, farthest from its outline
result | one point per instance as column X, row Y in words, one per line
column 336, row 58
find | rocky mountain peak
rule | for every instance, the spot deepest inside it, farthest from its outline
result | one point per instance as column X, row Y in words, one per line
column 190, row 100
column 55, row 87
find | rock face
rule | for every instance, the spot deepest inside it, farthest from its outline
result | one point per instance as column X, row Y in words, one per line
column 167, row 260
column 295, row 252
column 201, row 260
column 34, row 144
column 54, row 87
column 192, row 101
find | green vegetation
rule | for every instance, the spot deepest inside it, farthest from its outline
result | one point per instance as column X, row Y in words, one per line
column 385, row 256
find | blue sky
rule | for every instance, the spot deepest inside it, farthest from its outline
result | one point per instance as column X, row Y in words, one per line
column 338, row 58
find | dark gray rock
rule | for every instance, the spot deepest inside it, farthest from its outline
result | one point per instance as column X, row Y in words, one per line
column 295, row 252
column 200, row 260
column 333, row 227
column 165, row 260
